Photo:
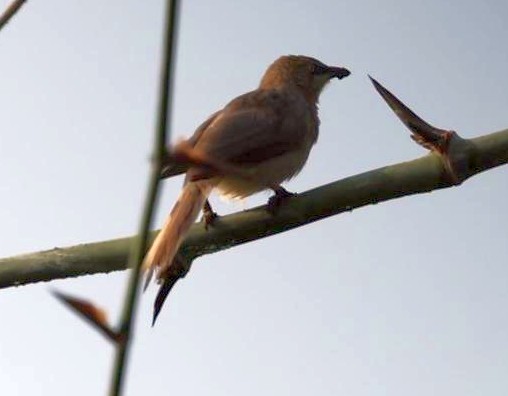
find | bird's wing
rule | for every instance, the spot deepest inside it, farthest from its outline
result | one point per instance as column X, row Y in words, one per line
column 255, row 127
column 177, row 169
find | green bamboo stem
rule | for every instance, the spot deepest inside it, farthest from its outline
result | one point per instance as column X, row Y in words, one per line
column 413, row 177
column 140, row 245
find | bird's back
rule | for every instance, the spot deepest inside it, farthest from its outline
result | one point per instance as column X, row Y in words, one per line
column 268, row 131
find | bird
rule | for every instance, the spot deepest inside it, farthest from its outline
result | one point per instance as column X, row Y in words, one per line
column 256, row 142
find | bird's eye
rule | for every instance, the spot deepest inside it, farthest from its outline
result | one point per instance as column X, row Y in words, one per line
column 319, row 69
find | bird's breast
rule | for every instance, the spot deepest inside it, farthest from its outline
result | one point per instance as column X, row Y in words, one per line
column 266, row 174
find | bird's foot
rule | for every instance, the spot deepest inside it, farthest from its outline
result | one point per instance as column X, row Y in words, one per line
column 209, row 216
column 278, row 199
column 209, row 219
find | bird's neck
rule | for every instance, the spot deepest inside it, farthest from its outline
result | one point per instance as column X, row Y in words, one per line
column 284, row 78
column 290, row 86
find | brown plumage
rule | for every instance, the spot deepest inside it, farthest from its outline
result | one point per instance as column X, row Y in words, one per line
column 268, row 133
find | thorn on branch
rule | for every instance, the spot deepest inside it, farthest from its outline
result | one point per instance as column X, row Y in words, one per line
column 94, row 315
column 457, row 154
column 177, row 270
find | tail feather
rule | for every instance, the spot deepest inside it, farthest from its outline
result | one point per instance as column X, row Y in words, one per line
column 163, row 250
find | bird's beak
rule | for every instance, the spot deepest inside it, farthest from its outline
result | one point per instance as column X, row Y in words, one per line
column 339, row 72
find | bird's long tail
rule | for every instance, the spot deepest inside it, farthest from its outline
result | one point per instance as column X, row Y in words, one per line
column 163, row 250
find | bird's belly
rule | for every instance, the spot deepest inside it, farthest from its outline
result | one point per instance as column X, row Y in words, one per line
column 265, row 175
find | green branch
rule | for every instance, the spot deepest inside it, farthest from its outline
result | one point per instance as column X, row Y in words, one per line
column 418, row 176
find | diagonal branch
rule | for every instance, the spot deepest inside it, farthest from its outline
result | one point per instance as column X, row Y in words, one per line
column 413, row 177
column 10, row 12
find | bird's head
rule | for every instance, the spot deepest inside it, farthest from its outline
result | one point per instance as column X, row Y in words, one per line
column 304, row 72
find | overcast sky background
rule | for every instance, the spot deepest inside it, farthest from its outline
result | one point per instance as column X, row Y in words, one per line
column 404, row 297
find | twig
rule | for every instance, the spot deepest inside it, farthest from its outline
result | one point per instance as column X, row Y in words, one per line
column 10, row 11
column 139, row 249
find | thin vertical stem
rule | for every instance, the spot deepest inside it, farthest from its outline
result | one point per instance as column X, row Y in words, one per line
column 139, row 248
column 10, row 11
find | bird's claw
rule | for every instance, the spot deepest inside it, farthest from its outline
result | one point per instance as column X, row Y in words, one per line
column 278, row 199
column 209, row 216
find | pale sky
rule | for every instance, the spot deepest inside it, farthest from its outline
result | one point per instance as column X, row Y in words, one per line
column 404, row 297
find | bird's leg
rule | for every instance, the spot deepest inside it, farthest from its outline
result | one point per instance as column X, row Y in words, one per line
column 209, row 216
column 277, row 200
